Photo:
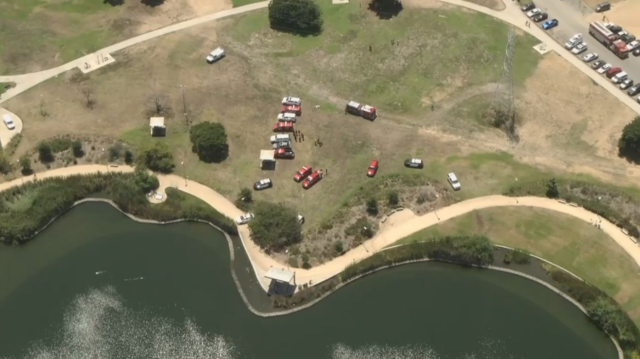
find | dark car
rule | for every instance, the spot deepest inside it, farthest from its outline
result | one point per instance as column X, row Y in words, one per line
column 529, row 6
column 540, row 17
column 603, row 6
column 634, row 90
column 263, row 184
column 615, row 29
column 413, row 163
column 597, row 64
column 636, row 52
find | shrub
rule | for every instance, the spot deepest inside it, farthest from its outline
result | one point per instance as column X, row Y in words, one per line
column 552, row 189
column 521, row 257
column 338, row 246
column 372, row 206
column 6, row 166
column 275, row 226
column 209, row 141
column 114, row 153
column 302, row 17
column 76, row 148
column 305, row 261
column 293, row 262
column 25, row 164
column 629, row 143
column 393, row 198
column 45, row 153
column 128, row 157
column 157, row 157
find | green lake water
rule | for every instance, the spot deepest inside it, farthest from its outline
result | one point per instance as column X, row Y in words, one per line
column 98, row 285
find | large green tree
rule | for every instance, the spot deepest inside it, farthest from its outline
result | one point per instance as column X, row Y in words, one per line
column 274, row 226
column 157, row 157
column 629, row 143
column 209, row 140
column 302, row 17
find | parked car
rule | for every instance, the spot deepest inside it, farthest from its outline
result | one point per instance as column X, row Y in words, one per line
column 300, row 219
column 613, row 71
column 8, row 122
column 263, row 184
column 453, row 180
column 283, row 144
column 633, row 45
column 413, row 163
column 573, row 41
column 590, row 57
column 291, row 109
column 283, row 137
column 303, row 172
column 626, row 84
column 295, row 101
column 580, row 48
column 634, row 90
column 534, row 12
column 244, row 218
column 373, row 168
column 621, row 76
column 550, row 24
column 540, row 17
column 312, row 179
column 604, row 68
column 528, row 6
column 597, row 64
column 287, row 116
column 215, row 55
column 603, row 6
column 285, row 153
column 636, row 52
column 286, row 126
column 615, row 29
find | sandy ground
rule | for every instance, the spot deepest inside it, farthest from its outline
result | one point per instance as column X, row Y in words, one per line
column 405, row 224
column 625, row 14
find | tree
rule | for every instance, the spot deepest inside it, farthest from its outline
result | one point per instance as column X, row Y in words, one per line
column 552, row 188
column 157, row 157
column 385, row 9
column 393, row 198
column 25, row 164
column 301, row 17
column 305, row 261
column 274, row 226
column 90, row 101
column 372, row 206
column 128, row 157
column 76, row 148
column 209, row 141
column 45, row 152
column 144, row 180
column 159, row 105
column 629, row 143
column 338, row 246
column 246, row 195
column 5, row 164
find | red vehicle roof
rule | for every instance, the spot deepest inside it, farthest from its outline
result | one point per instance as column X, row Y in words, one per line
column 303, row 171
column 614, row 70
column 311, row 179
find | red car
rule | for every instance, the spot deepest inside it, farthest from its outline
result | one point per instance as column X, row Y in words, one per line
column 613, row 71
column 302, row 173
column 283, row 126
column 312, row 179
column 284, row 153
column 292, row 109
column 373, row 168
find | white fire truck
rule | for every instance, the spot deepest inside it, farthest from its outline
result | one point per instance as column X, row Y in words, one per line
column 365, row 111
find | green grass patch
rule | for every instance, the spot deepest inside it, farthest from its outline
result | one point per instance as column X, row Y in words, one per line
column 567, row 241
column 238, row 3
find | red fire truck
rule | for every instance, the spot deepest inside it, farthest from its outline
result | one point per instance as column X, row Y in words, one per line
column 609, row 39
column 365, row 111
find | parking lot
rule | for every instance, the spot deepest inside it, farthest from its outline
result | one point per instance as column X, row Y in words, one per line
column 572, row 16
column 5, row 134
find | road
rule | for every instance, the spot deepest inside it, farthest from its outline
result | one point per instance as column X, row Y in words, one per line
column 401, row 227
column 571, row 16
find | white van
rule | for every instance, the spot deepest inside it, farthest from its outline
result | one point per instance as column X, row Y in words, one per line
column 287, row 117
column 215, row 55
column 619, row 77
column 8, row 122
column 280, row 138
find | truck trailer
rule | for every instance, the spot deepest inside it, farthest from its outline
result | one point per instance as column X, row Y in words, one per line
column 365, row 111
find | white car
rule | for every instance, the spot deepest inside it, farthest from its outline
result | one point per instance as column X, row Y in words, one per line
column 291, row 101
column 8, row 122
column 245, row 218
column 573, row 41
column 215, row 55
column 626, row 84
column 580, row 48
column 633, row 45
column 287, row 116
column 604, row 68
column 453, row 180
column 590, row 57
column 534, row 12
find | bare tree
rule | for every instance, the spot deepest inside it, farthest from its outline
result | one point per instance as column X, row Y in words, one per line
column 90, row 100
column 159, row 105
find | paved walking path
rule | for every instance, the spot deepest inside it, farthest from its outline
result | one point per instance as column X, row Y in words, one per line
column 389, row 234
column 511, row 14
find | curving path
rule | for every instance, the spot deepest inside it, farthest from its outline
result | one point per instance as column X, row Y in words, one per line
column 388, row 235
column 511, row 14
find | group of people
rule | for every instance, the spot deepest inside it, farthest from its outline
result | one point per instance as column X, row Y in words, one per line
column 298, row 136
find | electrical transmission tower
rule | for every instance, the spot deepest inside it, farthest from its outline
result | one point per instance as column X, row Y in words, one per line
column 502, row 111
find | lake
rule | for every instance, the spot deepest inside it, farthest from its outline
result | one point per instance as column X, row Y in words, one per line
column 98, row 285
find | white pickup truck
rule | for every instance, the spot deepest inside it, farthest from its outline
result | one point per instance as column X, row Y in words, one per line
column 215, row 55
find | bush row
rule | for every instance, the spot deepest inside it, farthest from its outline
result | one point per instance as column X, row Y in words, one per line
column 603, row 310
column 465, row 250
column 26, row 209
